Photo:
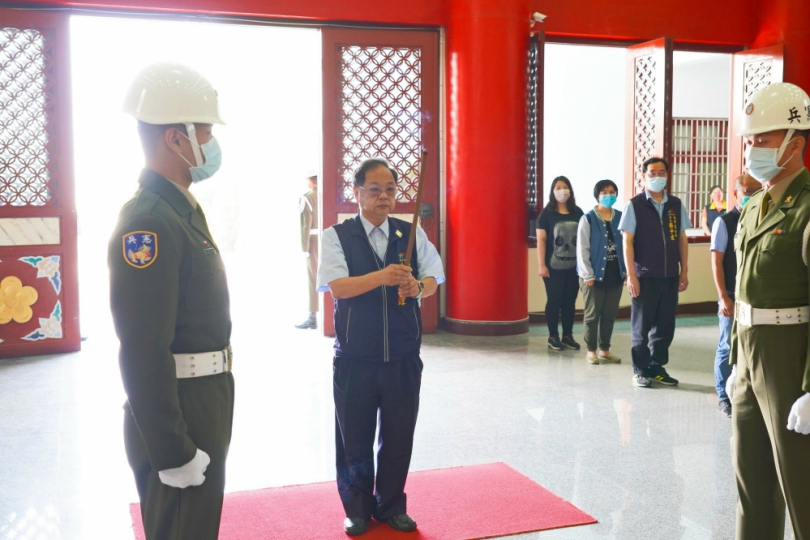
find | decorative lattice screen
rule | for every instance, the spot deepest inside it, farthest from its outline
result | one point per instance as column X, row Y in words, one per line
column 532, row 173
column 699, row 161
column 644, row 124
column 24, row 174
column 380, row 113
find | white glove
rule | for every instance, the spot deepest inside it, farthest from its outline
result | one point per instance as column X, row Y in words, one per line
column 190, row 474
column 799, row 417
column 730, row 381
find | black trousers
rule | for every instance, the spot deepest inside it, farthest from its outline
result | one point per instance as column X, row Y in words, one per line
column 368, row 395
column 652, row 321
column 562, row 287
column 192, row 513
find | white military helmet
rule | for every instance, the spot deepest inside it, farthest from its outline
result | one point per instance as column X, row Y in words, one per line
column 777, row 106
column 169, row 93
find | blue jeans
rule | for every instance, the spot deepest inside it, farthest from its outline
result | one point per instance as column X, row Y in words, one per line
column 722, row 369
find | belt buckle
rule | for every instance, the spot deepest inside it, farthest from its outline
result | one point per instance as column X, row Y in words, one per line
column 744, row 313
column 229, row 356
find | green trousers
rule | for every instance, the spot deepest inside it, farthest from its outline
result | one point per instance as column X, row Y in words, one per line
column 192, row 513
column 601, row 306
column 772, row 464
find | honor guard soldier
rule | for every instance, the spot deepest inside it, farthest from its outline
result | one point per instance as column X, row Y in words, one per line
column 170, row 306
column 377, row 371
column 308, row 208
column 771, row 384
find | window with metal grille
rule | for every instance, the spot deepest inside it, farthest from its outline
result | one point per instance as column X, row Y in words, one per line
column 533, row 172
column 699, row 161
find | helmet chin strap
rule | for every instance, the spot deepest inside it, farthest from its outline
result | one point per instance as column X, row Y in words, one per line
column 781, row 151
column 195, row 146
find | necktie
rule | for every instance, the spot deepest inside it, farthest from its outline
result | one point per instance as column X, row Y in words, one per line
column 764, row 207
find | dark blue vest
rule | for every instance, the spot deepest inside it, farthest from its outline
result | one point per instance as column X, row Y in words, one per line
column 731, row 219
column 373, row 326
column 656, row 240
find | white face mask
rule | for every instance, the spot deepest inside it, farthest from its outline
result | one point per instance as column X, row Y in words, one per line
column 208, row 156
column 762, row 163
column 562, row 195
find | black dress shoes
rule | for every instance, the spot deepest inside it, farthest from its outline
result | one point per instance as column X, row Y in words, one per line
column 355, row 526
column 402, row 523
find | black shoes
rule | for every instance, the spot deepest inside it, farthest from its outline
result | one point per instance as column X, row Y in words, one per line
column 660, row 376
column 402, row 523
column 569, row 343
column 724, row 406
column 555, row 344
column 354, row 526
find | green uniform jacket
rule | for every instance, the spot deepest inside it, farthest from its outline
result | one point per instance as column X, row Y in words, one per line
column 772, row 270
column 174, row 302
column 308, row 207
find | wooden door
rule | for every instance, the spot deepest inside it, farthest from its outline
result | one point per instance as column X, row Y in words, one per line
column 751, row 71
column 39, row 307
column 649, row 109
column 380, row 98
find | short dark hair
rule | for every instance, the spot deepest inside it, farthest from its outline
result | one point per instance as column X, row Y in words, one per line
column 313, row 178
column 571, row 203
column 806, row 134
column 601, row 185
column 652, row 160
column 150, row 134
column 369, row 164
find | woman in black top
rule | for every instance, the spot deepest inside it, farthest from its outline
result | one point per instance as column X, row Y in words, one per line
column 557, row 258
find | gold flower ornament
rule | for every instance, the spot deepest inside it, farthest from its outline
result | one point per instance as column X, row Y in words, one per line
column 16, row 300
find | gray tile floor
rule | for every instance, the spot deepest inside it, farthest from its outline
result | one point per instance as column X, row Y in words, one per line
column 647, row 463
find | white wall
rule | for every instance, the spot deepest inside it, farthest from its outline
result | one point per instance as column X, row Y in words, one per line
column 583, row 130
column 701, row 85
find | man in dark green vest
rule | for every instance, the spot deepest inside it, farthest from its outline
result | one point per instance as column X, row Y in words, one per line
column 170, row 305
column 771, row 380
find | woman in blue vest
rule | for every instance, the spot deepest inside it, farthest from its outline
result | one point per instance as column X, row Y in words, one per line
column 601, row 269
column 557, row 258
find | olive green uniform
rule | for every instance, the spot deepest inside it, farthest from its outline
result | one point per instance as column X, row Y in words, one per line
column 173, row 301
column 308, row 207
column 772, row 463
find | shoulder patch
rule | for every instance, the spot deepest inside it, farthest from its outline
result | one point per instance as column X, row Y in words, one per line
column 140, row 248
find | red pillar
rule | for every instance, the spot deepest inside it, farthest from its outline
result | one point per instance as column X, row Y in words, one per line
column 788, row 22
column 487, row 281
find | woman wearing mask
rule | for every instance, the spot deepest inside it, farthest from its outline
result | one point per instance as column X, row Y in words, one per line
column 601, row 269
column 557, row 258
column 713, row 210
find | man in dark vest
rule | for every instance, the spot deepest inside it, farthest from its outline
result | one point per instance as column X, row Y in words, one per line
column 377, row 371
column 724, row 270
column 653, row 227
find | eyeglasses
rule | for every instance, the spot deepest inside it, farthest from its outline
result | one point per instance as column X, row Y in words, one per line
column 376, row 192
column 659, row 174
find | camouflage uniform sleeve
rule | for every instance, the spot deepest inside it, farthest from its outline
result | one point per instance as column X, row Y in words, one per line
column 144, row 303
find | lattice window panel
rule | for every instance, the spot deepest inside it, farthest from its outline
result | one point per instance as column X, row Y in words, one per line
column 757, row 75
column 531, row 124
column 380, row 113
column 644, row 116
column 25, row 58
column 699, row 161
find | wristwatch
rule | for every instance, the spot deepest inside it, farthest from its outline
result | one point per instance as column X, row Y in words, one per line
column 421, row 289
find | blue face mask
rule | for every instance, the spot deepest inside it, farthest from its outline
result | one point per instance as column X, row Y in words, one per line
column 744, row 200
column 762, row 163
column 208, row 156
column 656, row 184
column 607, row 200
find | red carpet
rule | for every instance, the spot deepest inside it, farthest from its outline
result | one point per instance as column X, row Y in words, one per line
column 481, row 501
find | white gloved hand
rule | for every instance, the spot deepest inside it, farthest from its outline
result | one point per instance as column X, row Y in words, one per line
column 799, row 417
column 190, row 474
column 730, row 381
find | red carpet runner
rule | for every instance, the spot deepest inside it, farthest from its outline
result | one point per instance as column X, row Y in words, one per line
column 481, row 501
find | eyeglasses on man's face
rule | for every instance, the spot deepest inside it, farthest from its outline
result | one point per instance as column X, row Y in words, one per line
column 375, row 192
column 659, row 174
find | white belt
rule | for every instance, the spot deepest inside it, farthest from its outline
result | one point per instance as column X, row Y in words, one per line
column 204, row 363
column 313, row 231
column 751, row 316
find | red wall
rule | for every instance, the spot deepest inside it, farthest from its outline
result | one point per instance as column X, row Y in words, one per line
column 788, row 22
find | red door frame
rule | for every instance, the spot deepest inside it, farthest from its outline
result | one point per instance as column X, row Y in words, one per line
column 330, row 204
column 61, row 205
